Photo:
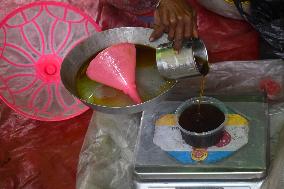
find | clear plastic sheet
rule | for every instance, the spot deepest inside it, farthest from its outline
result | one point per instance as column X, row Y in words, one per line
column 276, row 177
column 238, row 77
column 107, row 155
column 106, row 158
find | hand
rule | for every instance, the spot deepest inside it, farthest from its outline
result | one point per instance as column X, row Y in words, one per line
column 176, row 18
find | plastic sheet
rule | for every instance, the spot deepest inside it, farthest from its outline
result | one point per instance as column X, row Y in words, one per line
column 225, row 8
column 107, row 155
column 106, row 158
column 238, row 77
column 267, row 18
column 36, row 154
column 276, row 178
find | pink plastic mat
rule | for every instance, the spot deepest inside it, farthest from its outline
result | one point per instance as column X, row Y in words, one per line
column 34, row 40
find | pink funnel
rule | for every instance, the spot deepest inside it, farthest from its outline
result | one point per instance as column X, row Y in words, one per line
column 115, row 67
column 34, row 39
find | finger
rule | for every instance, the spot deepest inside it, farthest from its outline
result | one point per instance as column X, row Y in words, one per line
column 166, row 29
column 157, row 33
column 165, row 17
column 179, row 32
column 157, row 18
column 195, row 29
column 153, row 25
column 188, row 27
column 158, row 29
column 173, row 24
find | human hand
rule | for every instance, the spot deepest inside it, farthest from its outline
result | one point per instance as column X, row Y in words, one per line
column 178, row 19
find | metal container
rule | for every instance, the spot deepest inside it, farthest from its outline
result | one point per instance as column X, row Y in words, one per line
column 204, row 139
column 99, row 41
column 192, row 60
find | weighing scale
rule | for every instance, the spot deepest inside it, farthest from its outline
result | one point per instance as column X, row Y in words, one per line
column 244, row 169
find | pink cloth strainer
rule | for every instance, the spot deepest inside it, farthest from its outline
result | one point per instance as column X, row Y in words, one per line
column 34, row 39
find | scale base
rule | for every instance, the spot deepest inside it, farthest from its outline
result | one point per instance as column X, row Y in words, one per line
column 256, row 184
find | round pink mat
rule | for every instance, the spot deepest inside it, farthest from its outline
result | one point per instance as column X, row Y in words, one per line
column 34, row 39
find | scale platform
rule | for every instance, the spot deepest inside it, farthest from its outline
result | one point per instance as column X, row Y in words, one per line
column 245, row 169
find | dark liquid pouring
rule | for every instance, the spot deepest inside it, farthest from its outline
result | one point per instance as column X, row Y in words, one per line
column 201, row 117
column 201, row 93
column 203, row 67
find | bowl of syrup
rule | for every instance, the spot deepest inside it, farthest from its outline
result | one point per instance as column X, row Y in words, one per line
column 201, row 121
column 151, row 86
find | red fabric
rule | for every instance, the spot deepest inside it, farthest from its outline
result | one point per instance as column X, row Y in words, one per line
column 35, row 154
column 138, row 7
column 226, row 39
column 111, row 17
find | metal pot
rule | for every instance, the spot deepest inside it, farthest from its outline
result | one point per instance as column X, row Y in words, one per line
column 97, row 42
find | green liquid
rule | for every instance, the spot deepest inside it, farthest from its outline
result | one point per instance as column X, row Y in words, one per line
column 149, row 83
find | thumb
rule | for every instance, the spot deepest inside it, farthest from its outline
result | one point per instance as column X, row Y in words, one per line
column 157, row 33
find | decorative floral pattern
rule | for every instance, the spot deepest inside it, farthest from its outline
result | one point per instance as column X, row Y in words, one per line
column 199, row 154
column 225, row 140
column 168, row 137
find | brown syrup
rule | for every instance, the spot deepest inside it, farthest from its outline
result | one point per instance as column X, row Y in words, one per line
column 201, row 118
